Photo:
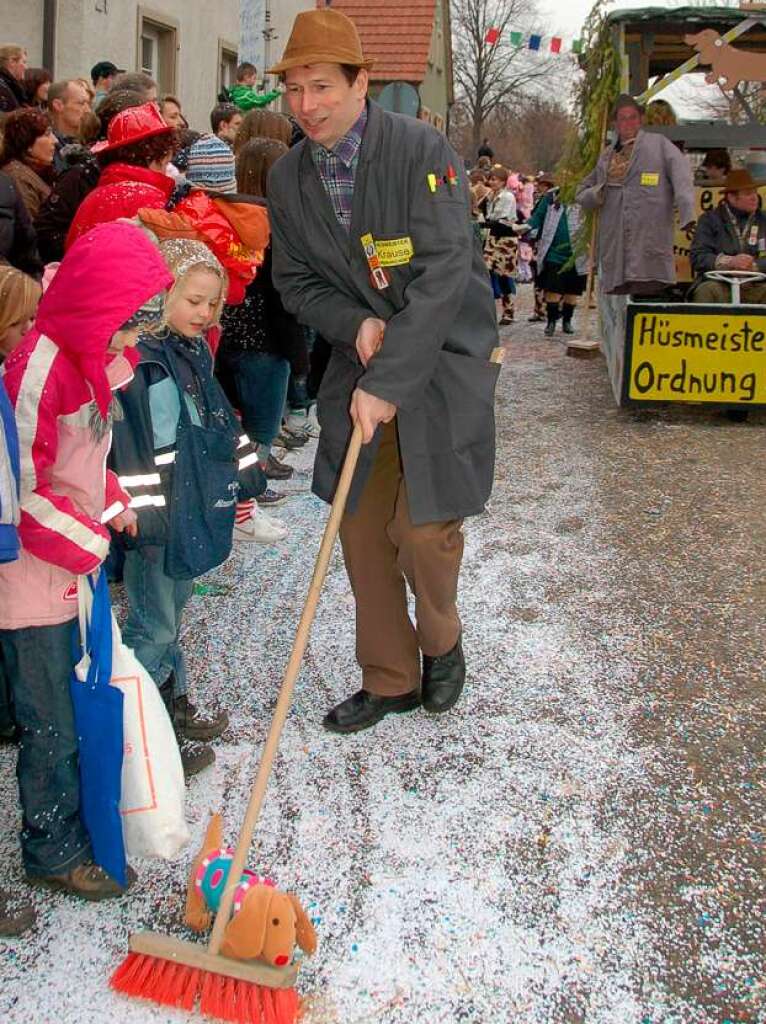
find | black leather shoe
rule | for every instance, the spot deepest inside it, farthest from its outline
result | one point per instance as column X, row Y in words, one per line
column 364, row 709
column 443, row 679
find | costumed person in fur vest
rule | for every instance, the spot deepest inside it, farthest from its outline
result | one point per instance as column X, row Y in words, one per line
column 373, row 247
column 501, row 247
column 555, row 225
column 179, row 446
column 60, row 381
column 636, row 185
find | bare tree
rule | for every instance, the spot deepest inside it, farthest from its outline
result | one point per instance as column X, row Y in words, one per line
column 488, row 75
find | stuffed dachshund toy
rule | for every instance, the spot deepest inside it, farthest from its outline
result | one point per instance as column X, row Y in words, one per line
column 265, row 925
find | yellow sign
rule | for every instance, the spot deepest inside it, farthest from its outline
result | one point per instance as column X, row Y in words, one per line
column 690, row 354
column 395, row 252
column 650, row 179
column 707, row 198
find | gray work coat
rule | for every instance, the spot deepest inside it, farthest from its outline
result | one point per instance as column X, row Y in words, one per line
column 636, row 226
column 410, row 187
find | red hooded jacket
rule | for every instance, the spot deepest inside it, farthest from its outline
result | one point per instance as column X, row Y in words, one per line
column 121, row 192
column 59, row 381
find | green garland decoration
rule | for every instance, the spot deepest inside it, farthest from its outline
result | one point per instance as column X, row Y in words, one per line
column 595, row 93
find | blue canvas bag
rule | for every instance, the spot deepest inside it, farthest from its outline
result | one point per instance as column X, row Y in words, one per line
column 98, row 719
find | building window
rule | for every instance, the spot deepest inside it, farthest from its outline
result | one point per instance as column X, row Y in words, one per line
column 157, row 48
column 227, row 65
column 149, row 51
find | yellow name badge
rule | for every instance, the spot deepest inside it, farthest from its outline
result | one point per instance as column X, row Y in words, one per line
column 395, row 252
column 650, row 179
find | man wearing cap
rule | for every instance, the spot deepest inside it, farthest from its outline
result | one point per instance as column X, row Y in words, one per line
column 731, row 237
column 102, row 75
column 373, row 247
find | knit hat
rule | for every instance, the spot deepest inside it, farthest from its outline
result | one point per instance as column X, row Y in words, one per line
column 211, row 165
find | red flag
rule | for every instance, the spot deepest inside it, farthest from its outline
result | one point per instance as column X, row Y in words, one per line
column 492, row 36
column 555, row 45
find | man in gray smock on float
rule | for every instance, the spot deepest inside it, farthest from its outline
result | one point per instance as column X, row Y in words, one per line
column 373, row 247
column 635, row 186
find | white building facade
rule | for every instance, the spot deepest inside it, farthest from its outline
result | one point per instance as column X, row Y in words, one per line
column 189, row 46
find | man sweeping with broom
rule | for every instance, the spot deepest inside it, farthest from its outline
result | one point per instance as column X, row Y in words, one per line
column 373, row 247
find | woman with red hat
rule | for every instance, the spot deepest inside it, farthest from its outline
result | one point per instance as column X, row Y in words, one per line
column 133, row 160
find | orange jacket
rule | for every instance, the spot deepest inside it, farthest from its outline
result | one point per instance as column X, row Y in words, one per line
column 236, row 231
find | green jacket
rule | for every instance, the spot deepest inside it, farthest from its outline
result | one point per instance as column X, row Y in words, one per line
column 247, row 98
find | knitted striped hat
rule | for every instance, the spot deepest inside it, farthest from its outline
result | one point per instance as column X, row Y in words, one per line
column 211, row 165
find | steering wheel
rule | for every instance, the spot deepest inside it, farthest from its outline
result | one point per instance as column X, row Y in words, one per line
column 735, row 279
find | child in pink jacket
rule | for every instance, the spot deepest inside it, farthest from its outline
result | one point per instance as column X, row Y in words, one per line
column 60, row 381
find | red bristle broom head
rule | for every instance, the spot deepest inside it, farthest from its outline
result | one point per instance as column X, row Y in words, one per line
column 171, row 983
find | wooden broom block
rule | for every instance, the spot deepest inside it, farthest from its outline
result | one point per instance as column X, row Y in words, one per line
column 192, row 954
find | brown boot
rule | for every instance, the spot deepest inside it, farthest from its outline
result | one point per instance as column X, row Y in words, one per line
column 88, row 881
column 507, row 318
column 195, row 757
column 190, row 724
column 16, row 916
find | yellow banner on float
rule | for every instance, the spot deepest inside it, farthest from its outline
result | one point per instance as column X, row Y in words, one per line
column 695, row 354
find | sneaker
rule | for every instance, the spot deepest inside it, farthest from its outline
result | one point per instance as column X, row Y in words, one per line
column 286, row 439
column 88, row 881
column 313, row 428
column 195, row 757
column 297, row 421
column 16, row 916
column 192, row 726
column 276, row 470
column 260, row 529
column 270, row 497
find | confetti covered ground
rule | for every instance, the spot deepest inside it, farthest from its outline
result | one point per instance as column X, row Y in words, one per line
column 583, row 838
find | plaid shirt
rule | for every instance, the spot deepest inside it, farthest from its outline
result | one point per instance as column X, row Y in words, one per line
column 337, row 168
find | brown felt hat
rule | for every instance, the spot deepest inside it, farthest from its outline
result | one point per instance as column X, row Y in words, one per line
column 738, row 180
column 323, row 36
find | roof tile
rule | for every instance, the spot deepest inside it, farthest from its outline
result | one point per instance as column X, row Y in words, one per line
column 396, row 33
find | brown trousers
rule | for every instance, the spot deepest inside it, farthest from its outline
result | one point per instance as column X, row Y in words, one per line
column 383, row 552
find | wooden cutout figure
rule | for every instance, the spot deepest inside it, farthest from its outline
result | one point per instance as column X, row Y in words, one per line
column 729, row 66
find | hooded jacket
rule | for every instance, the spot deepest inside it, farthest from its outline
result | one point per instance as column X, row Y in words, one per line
column 59, row 381
column 147, row 441
column 246, row 98
column 121, row 192
column 234, row 227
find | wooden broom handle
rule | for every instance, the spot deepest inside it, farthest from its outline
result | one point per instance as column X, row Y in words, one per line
column 285, row 694
column 288, row 683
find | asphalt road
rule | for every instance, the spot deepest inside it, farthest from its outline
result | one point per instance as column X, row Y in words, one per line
column 582, row 840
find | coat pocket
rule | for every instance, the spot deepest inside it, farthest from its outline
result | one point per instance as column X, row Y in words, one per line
column 459, row 404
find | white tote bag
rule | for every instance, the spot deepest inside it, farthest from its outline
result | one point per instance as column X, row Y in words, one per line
column 153, row 789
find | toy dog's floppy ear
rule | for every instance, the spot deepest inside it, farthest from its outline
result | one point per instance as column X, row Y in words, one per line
column 305, row 933
column 245, row 933
column 197, row 915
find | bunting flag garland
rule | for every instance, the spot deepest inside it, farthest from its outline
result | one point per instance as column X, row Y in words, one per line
column 534, row 42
